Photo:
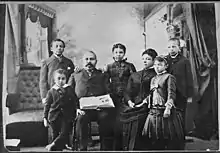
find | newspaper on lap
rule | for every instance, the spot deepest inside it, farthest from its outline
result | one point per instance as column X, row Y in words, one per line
column 98, row 102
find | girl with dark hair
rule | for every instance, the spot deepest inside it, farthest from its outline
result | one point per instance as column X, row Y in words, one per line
column 163, row 126
column 137, row 89
column 118, row 73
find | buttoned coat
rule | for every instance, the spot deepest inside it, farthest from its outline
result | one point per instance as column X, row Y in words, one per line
column 60, row 104
column 181, row 70
column 85, row 86
column 48, row 67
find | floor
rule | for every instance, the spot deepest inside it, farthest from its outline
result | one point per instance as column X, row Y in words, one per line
column 191, row 144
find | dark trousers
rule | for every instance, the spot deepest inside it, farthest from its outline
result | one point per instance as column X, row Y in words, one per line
column 105, row 121
column 60, row 132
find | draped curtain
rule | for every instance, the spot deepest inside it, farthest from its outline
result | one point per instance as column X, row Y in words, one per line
column 45, row 19
column 217, row 17
column 201, row 54
column 12, row 47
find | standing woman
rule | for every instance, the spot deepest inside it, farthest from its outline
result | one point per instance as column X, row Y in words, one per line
column 137, row 89
column 118, row 73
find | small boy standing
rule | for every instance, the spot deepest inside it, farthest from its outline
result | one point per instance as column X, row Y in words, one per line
column 60, row 110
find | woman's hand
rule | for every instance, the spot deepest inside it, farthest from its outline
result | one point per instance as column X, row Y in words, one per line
column 166, row 112
column 79, row 112
column 143, row 102
column 130, row 104
column 46, row 122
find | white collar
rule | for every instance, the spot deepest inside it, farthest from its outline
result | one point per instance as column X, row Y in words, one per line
column 56, row 87
column 162, row 72
column 58, row 56
column 174, row 56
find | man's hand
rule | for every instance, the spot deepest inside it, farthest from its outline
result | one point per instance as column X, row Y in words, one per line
column 104, row 69
column 46, row 122
column 80, row 112
column 77, row 69
column 44, row 100
column 189, row 100
column 130, row 104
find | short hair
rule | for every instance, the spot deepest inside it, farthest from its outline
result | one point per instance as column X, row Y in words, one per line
column 57, row 39
column 151, row 52
column 119, row 45
column 60, row 71
column 90, row 51
column 161, row 59
column 175, row 39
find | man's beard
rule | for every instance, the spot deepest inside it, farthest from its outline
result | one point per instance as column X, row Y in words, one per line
column 90, row 66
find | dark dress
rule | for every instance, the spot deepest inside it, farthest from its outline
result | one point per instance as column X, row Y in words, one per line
column 133, row 119
column 158, row 129
column 118, row 74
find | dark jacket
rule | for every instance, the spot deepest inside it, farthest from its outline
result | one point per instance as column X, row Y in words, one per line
column 166, row 87
column 118, row 73
column 180, row 68
column 58, row 103
column 48, row 67
column 138, row 86
column 95, row 85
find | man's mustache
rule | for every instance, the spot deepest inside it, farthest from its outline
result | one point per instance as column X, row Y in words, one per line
column 89, row 64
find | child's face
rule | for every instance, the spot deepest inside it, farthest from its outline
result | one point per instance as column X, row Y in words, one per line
column 59, row 79
column 173, row 47
column 147, row 60
column 159, row 66
column 118, row 54
column 57, row 47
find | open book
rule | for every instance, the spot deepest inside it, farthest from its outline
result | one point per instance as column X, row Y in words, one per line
column 104, row 101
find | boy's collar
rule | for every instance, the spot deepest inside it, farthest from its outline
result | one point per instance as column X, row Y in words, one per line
column 58, row 56
column 56, row 87
column 165, row 71
column 175, row 55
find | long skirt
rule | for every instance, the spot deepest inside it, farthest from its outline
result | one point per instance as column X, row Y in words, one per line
column 157, row 127
column 132, row 124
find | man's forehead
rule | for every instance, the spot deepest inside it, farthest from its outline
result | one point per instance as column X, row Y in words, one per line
column 89, row 55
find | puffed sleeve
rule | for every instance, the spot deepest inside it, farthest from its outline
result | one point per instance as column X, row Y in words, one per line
column 128, row 90
column 43, row 84
column 132, row 68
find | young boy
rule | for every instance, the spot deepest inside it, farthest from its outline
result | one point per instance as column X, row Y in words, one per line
column 57, row 60
column 118, row 72
column 60, row 110
column 179, row 66
column 54, row 62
